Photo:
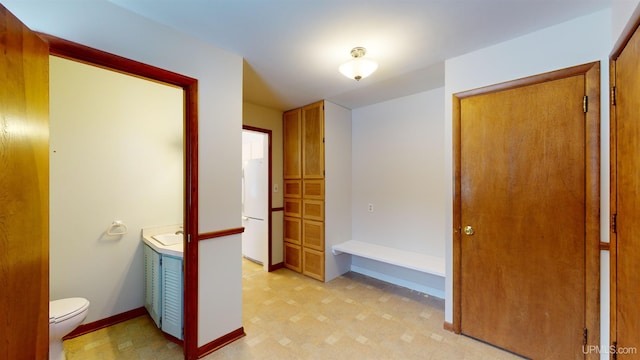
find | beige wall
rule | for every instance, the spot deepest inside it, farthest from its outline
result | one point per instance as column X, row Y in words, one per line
column 271, row 119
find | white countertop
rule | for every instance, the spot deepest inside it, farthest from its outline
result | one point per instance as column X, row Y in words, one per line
column 171, row 250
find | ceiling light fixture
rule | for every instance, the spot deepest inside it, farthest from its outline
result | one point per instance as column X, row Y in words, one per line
column 358, row 68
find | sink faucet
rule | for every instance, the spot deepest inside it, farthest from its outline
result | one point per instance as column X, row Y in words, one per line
column 179, row 232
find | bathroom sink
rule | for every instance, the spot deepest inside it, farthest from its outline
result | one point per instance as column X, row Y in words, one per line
column 168, row 239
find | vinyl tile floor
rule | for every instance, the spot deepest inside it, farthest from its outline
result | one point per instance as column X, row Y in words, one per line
column 289, row 316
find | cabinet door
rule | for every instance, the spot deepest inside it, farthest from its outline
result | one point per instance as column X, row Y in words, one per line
column 172, row 296
column 313, row 141
column 291, row 138
column 152, row 284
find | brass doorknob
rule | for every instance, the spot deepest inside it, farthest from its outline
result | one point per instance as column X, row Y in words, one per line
column 468, row 230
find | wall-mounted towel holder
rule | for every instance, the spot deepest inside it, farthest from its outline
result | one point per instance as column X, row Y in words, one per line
column 117, row 227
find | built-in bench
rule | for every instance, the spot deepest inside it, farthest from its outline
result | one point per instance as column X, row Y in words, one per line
column 411, row 270
column 420, row 262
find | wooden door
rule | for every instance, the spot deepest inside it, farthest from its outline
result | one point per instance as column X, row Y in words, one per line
column 625, row 200
column 524, row 160
column 24, row 191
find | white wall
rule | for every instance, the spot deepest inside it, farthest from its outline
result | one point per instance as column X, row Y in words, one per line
column 398, row 152
column 621, row 13
column 575, row 42
column 338, row 188
column 116, row 154
column 105, row 26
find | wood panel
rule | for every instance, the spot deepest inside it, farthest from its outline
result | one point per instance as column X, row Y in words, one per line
column 293, row 230
column 293, row 188
column 313, row 209
column 293, row 257
column 293, row 207
column 24, row 190
column 313, row 235
column 313, row 189
column 313, row 263
column 291, row 128
column 313, row 141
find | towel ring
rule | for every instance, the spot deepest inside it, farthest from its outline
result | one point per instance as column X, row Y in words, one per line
column 117, row 228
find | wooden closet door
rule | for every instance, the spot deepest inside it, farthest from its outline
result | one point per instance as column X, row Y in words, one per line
column 626, row 199
column 292, row 130
column 313, row 141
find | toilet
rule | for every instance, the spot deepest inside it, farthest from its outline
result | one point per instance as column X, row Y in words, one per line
column 64, row 316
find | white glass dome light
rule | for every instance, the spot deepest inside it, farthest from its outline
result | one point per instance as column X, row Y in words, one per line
column 358, row 68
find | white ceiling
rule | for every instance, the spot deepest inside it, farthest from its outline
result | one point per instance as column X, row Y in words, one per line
column 292, row 48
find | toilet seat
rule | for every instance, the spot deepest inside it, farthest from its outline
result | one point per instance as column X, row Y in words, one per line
column 64, row 309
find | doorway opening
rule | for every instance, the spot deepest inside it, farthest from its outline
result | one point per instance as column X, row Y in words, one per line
column 256, row 196
column 69, row 50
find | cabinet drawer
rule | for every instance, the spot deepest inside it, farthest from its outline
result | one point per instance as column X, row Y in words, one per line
column 293, row 257
column 313, row 263
column 313, row 189
column 293, row 207
column 293, row 188
column 292, row 230
column 313, row 235
column 313, row 209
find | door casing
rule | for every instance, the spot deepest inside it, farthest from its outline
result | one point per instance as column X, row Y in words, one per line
column 592, row 210
column 77, row 52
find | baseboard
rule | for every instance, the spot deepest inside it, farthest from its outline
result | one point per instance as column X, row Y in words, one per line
column 277, row 266
column 448, row 326
column 220, row 342
column 111, row 320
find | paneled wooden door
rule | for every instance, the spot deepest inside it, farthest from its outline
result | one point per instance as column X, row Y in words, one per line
column 527, row 200
column 625, row 200
column 24, row 191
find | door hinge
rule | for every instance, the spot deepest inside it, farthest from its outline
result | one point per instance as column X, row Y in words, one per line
column 585, row 336
column 613, row 95
column 585, row 103
column 614, row 350
column 614, row 223
column 160, row 260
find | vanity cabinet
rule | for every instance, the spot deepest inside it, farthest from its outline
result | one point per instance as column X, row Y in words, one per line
column 163, row 291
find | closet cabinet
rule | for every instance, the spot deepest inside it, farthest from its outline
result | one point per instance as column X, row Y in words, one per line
column 303, row 131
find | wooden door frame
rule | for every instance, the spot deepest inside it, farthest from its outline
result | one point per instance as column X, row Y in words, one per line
column 632, row 26
column 591, row 71
column 267, row 132
column 81, row 53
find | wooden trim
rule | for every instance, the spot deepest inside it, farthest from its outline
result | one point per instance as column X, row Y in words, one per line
column 527, row 81
column 592, row 206
column 613, row 209
column 219, row 233
column 91, row 56
column 103, row 323
column 591, row 71
column 627, row 33
column 604, row 246
column 448, row 326
column 277, row 266
column 457, row 217
column 220, row 342
column 277, row 209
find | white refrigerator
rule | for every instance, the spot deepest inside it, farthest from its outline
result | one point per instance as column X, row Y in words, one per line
column 254, row 210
